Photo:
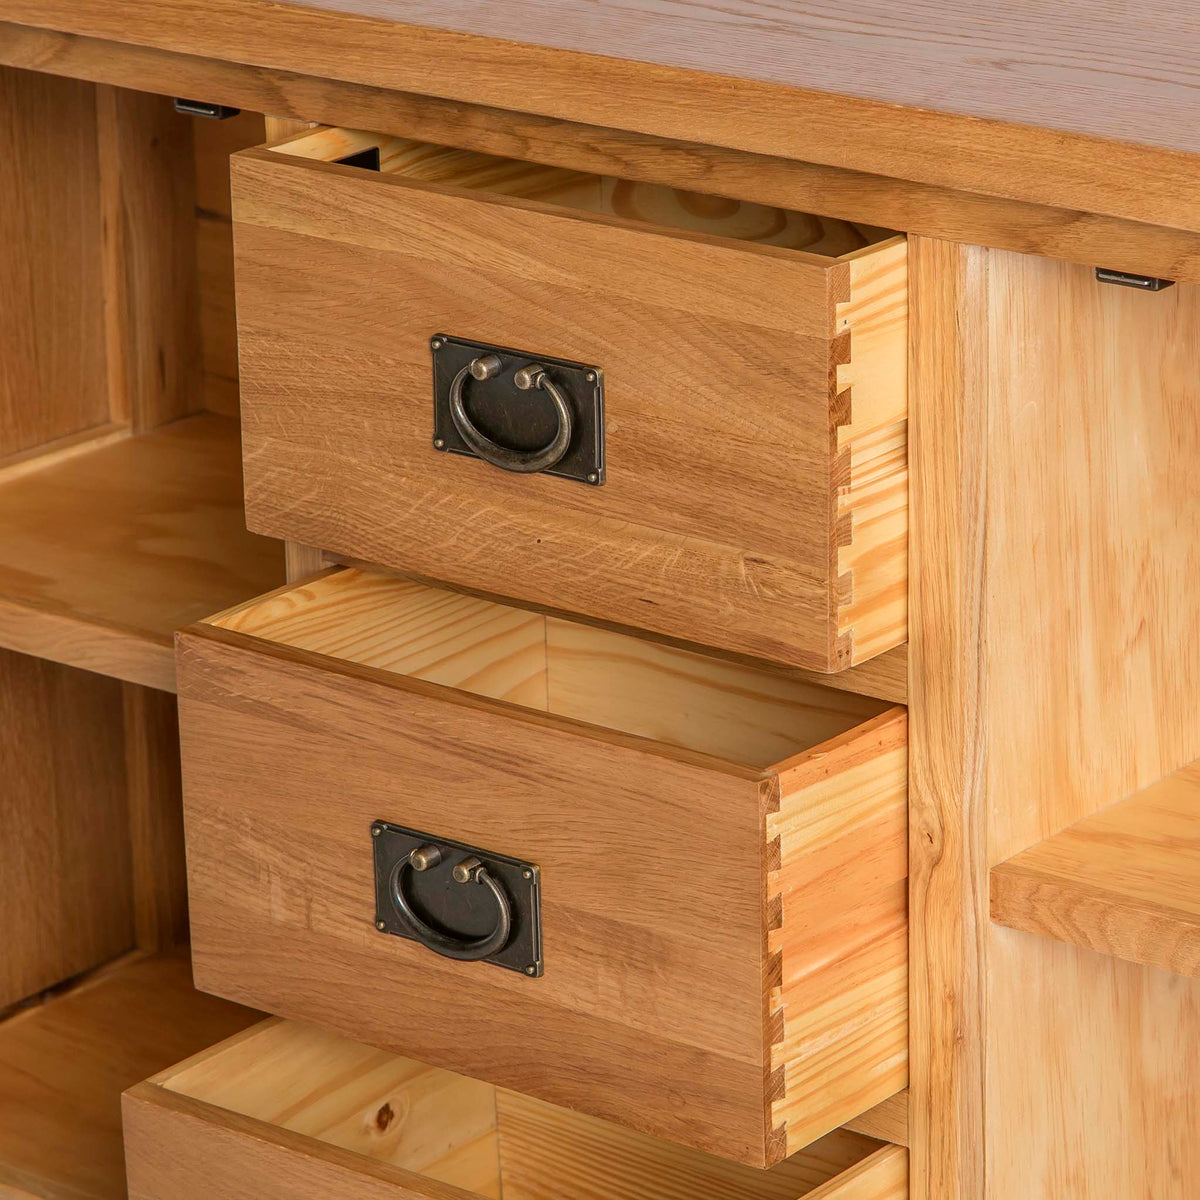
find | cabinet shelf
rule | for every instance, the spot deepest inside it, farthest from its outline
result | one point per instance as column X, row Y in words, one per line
column 105, row 551
column 64, row 1064
column 1125, row 882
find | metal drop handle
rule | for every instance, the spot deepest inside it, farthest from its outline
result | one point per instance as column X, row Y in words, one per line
column 469, row 871
column 486, row 367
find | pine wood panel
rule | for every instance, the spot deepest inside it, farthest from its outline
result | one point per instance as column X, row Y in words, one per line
column 52, row 349
column 285, row 1104
column 308, row 1081
column 672, row 542
column 1089, row 160
column 1124, row 882
column 649, row 987
column 1051, row 450
column 677, row 696
column 887, row 1121
column 397, row 625
column 64, row 1063
column 954, row 214
column 177, row 1148
column 548, row 1152
column 131, row 541
column 65, row 900
column 839, row 916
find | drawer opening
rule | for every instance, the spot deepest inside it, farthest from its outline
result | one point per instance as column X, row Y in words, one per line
column 748, row 715
column 652, row 204
column 462, row 1132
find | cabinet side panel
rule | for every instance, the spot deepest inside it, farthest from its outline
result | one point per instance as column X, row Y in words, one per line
column 1054, row 662
column 65, row 892
column 52, row 352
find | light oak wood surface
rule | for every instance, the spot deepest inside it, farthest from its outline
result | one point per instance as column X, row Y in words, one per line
column 66, row 903
column 159, row 870
column 1054, row 660
column 285, row 1109
column 1125, row 881
column 213, row 142
column 52, row 336
column 930, row 209
column 104, row 555
column 64, row 1064
column 476, row 720
column 150, row 296
column 773, row 528
column 1094, row 116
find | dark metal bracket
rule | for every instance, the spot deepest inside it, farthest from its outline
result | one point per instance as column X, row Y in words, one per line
column 457, row 900
column 202, row 108
column 1143, row 283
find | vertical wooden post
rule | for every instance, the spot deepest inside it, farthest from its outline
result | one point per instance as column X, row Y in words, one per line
column 947, row 701
column 300, row 560
column 155, row 817
column 1054, row 662
column 152, row 315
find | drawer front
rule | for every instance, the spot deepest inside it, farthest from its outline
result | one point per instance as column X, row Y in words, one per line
column 288, row 1112
column 734, row 934
column 754, row 400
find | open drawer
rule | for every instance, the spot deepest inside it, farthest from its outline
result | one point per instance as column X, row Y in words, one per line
column 742, row 482
column 288, row 1112
column 714, row 857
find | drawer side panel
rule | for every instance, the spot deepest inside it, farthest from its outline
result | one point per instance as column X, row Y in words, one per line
column 838, row 904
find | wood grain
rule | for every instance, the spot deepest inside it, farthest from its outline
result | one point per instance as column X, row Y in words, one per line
column 150, row 294
column 63, row 1065
column 159, row 871
column 213, row 142
column 297, row 1108
column 131, row 541
column 306, row 1080
column 669, row 208
column 1083, row 130
column 839, row 906
column 1124, row 882
column 52, row 351
column 684, row 549
column 1050, row 457
column 65, row 904
column 871, row 468
column 947, row 793
column 688, row 980
column 887, row 1121
column 956, row 214
column 883, row 1176
column 415, row 687
column 548, row 1152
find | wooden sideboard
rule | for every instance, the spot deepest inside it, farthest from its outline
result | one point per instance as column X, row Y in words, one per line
column 846, row 714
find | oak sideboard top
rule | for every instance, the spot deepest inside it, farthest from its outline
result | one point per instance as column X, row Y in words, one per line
column 1086, row 107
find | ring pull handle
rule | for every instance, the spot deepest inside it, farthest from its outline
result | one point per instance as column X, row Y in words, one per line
column 528, row 378
column 469, row 871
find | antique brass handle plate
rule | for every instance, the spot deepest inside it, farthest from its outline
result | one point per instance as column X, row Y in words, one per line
column 519, row 411
column 459, row 901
